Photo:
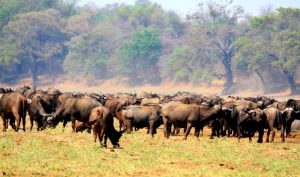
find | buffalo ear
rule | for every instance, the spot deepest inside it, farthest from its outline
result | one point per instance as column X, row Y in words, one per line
column 94, row 117
column 98, row 112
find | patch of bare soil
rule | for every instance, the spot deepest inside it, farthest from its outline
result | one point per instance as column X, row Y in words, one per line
column 251, row 165
column 184, row 164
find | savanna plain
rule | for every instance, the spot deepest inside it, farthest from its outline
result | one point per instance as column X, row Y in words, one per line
column 59, row 152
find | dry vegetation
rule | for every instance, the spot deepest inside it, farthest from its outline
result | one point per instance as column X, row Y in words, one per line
column 55, row 152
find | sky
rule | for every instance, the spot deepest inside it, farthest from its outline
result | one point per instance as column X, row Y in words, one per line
column 183, row 7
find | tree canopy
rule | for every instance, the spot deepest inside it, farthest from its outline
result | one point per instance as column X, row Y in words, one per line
column 149, row 45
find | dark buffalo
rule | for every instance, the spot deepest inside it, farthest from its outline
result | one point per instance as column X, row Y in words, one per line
column 251, row 122
column 73, row 109
column 147, row 101
column 13, row 107
column 23, row 89
column 142, row 116
column 53, row 91
column 261, row 101
column 187, row 115
column 97, row 96
column 61, row 98
column 221, row 125
column 274, row 121
column 288, row 116
column 101, row 121
column 6, row 90
column 117, row 102
column 40, row 107
column 295, row 104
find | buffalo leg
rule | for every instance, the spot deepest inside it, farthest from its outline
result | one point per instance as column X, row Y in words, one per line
column 273, row 135
column 73, row 120
column 239, row 133
column 24, row 122
column 260, row 135
column 177, row 130
column 282, row 134
column 250, row 136
column 64, row 124
column 12, row 123
column 31, row 123
column 151, row 128
column 100, row 134
column 197, row 131
column 288, row 129
column 105, row 141
column 167, row 127
column 38, row 125
column 95, row 133
column 201, row 131
column 173, row 130
column 4, row 120
column 129, row 125
column 268, row 135
column 17, row 118
column 188, row 129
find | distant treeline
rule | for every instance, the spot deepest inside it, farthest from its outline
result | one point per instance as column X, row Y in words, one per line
column 147, row 44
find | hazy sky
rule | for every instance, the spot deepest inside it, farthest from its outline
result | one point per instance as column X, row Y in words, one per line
column 185, row 6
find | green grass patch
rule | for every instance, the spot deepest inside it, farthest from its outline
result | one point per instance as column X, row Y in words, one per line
column 58, row 152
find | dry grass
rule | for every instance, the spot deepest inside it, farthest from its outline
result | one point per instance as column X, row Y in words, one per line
column 55, row 152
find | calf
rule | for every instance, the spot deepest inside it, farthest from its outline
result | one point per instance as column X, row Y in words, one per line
column 81, row 126
column 101, row 122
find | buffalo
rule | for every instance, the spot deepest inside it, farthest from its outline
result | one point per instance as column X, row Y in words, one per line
column 101, row 121
column 187, row 116
column 250, row 122
column 40, row 107
column 73, row 109
column 142, row 116
column 13, row 107
column 274, row 121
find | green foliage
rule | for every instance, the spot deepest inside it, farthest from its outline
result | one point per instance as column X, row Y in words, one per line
column 143, row 51
column 32, row 38
column 260, row 20
column 177, row 63
column 272, row 40
column 144, row 41
column 90, row 53
column 39, row 34
column 10, row 8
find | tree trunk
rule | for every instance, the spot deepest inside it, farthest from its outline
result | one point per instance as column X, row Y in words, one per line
column 262, row 81
column 291, row 81
column 229, row 77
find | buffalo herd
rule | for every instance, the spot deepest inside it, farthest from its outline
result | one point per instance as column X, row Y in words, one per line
column 226, row 116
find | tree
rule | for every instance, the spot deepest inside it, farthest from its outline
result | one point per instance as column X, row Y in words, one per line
column 33, row 39
column 90, row 53
column 217, row 29
column 272, row 41
column 141, row 55
column 10, row 8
